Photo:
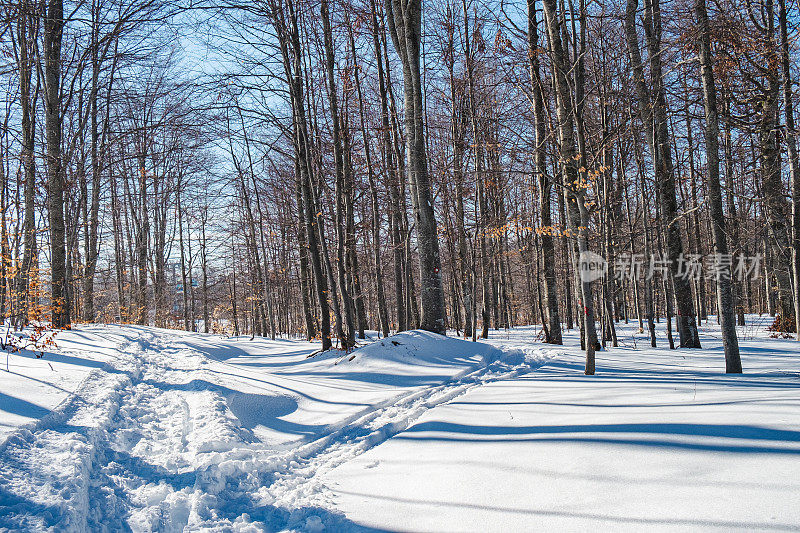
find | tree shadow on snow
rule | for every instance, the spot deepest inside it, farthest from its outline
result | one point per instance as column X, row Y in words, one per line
column 18, row 406
column 450, row 432
column 383, row 378
column 53, row 357
column 224, row 351
column 597, row 519
column 291, row 391
column 569, row 372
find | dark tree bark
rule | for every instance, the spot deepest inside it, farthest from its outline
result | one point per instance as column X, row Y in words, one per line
column 305, row 275
column 734, row 243
column 390, row 168
column 730, row 343
column 772, row 186
column 291, row 52
column 184, row 288
column 383, row 314
column 458, row 126
column 478, row 141
column 576, row 201
column 548, row 255
column 794, row 158
column 652, row 111
column 341, row 185
column 27, row 104
column 53, row 32
column 405, row 21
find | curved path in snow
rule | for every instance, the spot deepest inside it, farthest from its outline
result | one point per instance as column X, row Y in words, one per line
column 178, row 430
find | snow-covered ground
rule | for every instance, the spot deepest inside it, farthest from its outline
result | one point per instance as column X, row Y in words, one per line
column 137, row 428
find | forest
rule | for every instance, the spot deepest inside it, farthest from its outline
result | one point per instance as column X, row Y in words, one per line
column 320, row 169
column 399, row 265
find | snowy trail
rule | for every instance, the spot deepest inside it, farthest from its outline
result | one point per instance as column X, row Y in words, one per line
column 150, row 443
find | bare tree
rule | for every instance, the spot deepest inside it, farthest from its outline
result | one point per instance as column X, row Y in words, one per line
column 733, row 363
column 53, row 33
column 653, row 114
column 405, row 23
column 574, row 185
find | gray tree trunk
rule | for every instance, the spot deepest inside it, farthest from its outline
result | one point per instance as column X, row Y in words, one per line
column 305, row 276
column 28, row 107
column 340, row 219
column 730, row 343
column 794, row 159
column 773, row 191
column 53, row 32
column 576, row 202
column 292, row 61
column 383, row 314
column 392, row 173
column 652, row 110
column 553, row 329
column 405, row 24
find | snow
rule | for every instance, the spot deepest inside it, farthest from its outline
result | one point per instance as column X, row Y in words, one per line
column 659, row 439
column 33, row 386
column 126, row 427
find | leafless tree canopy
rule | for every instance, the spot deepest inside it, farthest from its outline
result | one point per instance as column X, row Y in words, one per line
column 325, row 168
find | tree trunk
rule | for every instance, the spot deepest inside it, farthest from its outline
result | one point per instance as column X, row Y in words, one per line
column 652, row 110
column 405, row 21
column 383, row 314
column 730, row 343
column 771, row 181
column 28, row 162
column 553, row 329
column 184, row 288
column 576, row 202
column 794, row 158
column 292, row 61
column 53, row 32
column 302, row 244
column 340, row 193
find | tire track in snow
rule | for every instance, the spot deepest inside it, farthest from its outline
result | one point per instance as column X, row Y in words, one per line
column 74, row 470
column 170, row 449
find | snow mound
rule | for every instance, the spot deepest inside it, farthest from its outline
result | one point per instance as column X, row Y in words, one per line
column 418, row 348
